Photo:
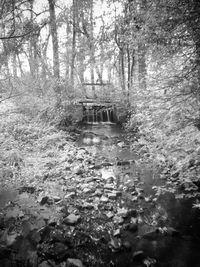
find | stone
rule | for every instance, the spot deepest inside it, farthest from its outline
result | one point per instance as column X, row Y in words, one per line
column 78, row 170
column 147, row 199
column 72, row 194
column 121, row 144
column 98, row 192
column 44, row 264
column 87, row 205
column 74, row 263
column 11, row 238
column 71, row 189
column 122, row 212
column 115, row 244
column 107, row 174
column 132, row 213
column 132, row 227
column 110, row 180
column 107, row 191
column 44, row 200
column 109, row 186
column 112, row 195
column 135, row 198
column 56, row 198
column 87, row 190
column 123, row 163
column 83, row 186
column 138, row 255
column 126, row 244
column 108, row 206
column 104, row 199
column 117, row 232
column 109, row 214
column 175, row 174
column 118, row 220
column 72, row 219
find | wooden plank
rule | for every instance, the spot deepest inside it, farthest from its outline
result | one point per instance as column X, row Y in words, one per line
column 99, row 84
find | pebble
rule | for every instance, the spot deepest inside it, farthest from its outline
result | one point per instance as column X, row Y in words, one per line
column 118, row 220
column 74, row 263
column 72, row 194
column 112, row 195
column 72, row 219
column 44, row 200
column 138, row 255
column 132, row 227
column 109, row 186
column 98, row 192
column 110, row 214
column 104, row 199
column 127, row 245
column 87, row 190
column 117, row 232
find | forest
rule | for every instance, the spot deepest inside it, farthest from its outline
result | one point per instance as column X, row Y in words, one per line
column 99, row 133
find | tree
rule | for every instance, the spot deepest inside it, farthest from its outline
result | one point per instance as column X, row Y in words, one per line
column 54, row 35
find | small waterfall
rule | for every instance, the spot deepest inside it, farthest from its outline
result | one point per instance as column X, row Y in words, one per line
column 93, row 114
column 96, row 118
column 87, row 115
column 101, row 115
column 108, row 115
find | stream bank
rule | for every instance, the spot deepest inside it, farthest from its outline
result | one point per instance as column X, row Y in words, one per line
column 97, row 205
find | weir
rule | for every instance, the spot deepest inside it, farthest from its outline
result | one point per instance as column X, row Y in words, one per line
column 98, row 112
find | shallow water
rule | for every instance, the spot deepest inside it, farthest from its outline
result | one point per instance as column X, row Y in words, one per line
column 169, row 250
column 161, row 248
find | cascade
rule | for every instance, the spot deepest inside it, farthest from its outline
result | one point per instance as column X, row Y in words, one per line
column 101, row 115
column 96, row 119
column 93, row 114
column 93, row 119
column 108, row 115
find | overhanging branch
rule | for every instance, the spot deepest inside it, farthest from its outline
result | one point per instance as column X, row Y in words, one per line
column 15, row 36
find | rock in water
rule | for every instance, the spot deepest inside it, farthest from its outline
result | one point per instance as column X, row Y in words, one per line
column 132, row 227
column 104, row 199
column 138, row 255
column 74, row 263
column 72, row 219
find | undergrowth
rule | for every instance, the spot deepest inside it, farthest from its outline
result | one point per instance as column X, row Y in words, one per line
column 166, row 134
column 30, row 145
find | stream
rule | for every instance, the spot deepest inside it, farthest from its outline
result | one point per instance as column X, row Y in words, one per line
column 122, row 215
column 169, row 230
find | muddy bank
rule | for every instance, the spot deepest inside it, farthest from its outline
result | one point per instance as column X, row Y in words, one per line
column 99, row 205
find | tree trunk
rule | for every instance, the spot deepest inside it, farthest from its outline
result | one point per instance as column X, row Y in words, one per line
column 14, row 63
column 73, row 43
column 54, row 35
column 122, row 70
column 67, row 65
column 92, row 59
column 142, row 70
column 20, row 65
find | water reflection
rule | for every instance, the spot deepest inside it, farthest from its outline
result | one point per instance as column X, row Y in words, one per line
column 169, row 229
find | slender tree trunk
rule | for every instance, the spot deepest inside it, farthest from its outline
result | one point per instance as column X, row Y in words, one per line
column 142, row 69
column 14, row 63
column 73, row 42
column 92, row 59
column 129, row 68
column 67, row 70
column 54, row 35
column 20, row 65
column 122, row 70
column 33, row 55
column 132, row 66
